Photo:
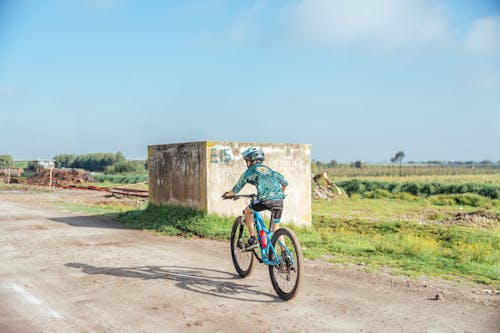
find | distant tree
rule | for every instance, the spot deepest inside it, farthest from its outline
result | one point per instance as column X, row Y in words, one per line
column 6, row 161
column 64, row 160
column 486, row 163
column 34, row 166
column 97, row 161
column 357, row 164
column 400, row 155
column 126, row 167
column 332, row 164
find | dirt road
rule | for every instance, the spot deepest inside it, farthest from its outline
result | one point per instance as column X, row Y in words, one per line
column 66, row 273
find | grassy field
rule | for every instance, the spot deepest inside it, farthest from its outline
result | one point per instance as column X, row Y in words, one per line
column 128, row 178
column 389, row 171
column 414, row 238
column 490, row 179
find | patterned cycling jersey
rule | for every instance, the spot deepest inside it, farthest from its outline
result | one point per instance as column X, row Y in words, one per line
column 267, row 181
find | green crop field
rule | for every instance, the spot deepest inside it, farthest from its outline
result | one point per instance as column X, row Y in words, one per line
column 346, row 172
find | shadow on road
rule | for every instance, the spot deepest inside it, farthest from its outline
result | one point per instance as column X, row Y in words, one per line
column 96, row 221
column 201, row 280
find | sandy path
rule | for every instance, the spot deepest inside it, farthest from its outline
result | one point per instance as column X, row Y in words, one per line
column 66, row 273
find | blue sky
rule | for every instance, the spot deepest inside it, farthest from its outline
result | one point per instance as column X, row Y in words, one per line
column 359, row 80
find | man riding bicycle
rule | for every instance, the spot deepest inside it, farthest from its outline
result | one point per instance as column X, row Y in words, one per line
column 270, row 185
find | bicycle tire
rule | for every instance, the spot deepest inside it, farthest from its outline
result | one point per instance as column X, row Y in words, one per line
column 276, row 272
column 243, row 261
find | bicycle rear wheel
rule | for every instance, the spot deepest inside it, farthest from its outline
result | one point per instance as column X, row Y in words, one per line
column 242, row 260
column 286, row 276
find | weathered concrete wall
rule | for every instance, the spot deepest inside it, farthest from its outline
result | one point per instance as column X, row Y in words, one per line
column 196, row 174
column 226, row 165
column 177, row 174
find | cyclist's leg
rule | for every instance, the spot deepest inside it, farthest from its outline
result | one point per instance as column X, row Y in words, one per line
column 276, row 208
column 255, row 206
column 249, row 221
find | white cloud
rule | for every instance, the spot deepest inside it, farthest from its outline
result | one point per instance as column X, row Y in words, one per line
column 483, row 38
column 386, row 23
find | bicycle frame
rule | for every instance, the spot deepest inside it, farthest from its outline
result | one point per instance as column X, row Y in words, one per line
column 264, row 253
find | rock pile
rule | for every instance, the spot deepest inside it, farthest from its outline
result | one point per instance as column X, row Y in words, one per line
column 325, row 188
column 60, row 177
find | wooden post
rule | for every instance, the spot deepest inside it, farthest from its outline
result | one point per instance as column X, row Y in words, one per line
column 8, row 176
column 50, row 178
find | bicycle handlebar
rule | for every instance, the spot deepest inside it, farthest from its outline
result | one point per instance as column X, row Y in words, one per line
column 237, row 196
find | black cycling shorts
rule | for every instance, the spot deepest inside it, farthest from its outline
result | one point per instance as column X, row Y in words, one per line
column 275, row 206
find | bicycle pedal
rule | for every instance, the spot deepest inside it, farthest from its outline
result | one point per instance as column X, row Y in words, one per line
column 251, row 248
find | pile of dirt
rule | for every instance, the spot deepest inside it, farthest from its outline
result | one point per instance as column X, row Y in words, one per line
column 325, row 188
column 60, row 177
column 477, row 218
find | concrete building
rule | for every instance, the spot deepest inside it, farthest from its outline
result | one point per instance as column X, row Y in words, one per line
column 196, row 174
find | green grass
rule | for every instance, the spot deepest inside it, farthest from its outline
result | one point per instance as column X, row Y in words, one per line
column 407, row 247
column 125, row 178
column 409, row 208
column 176, row 220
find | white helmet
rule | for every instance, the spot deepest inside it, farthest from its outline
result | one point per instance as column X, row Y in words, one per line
column 253, row 154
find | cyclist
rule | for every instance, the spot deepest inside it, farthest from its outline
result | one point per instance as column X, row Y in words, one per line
column 270, row 185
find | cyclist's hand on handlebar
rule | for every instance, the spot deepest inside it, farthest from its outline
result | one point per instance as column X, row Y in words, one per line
column 228, row 195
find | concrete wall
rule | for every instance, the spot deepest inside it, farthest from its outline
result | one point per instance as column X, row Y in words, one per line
column 177, row 174
column 226, row 165
column 196, row 174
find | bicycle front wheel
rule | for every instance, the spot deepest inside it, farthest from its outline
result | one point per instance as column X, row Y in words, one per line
column 242, row 260
column 286, row 275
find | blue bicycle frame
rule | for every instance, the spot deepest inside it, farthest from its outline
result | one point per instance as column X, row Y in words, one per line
column 260, row 225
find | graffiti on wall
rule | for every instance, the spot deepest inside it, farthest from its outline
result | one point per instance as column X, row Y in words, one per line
column 220, row 155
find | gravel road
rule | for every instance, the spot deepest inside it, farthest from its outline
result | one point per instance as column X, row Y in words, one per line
column 61, row 272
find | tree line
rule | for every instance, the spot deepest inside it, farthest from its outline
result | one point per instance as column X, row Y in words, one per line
column 108, row 163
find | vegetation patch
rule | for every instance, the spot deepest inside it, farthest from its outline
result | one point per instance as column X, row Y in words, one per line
column 410, row 248
column 414, row 249
column 177, row 220
column 124, row 178
column 371, row 188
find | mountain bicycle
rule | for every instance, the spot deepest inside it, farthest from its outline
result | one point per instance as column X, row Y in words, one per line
column 281, row 251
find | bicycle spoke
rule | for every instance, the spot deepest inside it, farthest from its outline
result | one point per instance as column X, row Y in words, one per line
column 242, row 260
column 286, row 274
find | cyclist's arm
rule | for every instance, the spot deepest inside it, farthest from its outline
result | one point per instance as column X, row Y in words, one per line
column 241, row 182
column 281, row 179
